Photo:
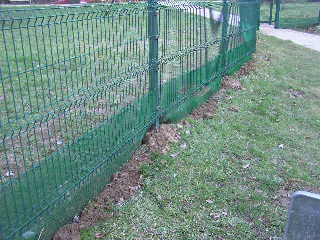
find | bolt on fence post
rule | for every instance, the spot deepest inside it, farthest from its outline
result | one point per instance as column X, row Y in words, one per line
column 153, row 35
column 224, row 42
column 277, row 20
column 270, row 12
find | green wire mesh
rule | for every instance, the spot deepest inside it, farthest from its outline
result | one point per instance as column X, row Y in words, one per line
column 297, row 13
column 81, row 85
column 267, row 11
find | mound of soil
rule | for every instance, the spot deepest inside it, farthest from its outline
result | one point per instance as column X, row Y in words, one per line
column 207, row 110
column 158, row 140
column 125, row 183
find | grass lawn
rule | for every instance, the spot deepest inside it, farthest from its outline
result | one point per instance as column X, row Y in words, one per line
column 265, row 12
column 293, row 14
column 75, row 71
column 299, row 14
column 233, row 179
column 67, row 76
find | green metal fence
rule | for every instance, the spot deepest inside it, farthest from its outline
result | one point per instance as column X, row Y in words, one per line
column 296, row 14
column 267, row 11
column 81, row 85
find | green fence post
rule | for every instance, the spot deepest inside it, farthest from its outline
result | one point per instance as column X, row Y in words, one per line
column 270, row 12
column 259, row 13
column 319, row 17
column 153, row 35
column 224, row 41
column 277, row 20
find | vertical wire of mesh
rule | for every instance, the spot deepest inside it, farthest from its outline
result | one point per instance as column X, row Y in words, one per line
column 75, row 99
column 297, row 14
column 76, row 93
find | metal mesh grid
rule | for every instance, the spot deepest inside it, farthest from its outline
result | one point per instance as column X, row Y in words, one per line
column 81, row 85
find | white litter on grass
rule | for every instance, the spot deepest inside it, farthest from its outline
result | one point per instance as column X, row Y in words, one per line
column 218, row 215
column 183, row 146
column 209, row 201
column 174, row 155
column 246, row 166
column 281, row 146
column 179, row 126
column 9, row 174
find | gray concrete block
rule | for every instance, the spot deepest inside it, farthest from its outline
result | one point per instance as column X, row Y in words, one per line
column 304, row 217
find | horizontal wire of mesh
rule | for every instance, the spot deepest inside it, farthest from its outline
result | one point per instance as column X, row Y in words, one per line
column 76, row 94
column 74, row 87
column 267, row 11
column 295, row 14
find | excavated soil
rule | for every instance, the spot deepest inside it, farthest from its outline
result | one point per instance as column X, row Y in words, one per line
column 125, row 183
column 159, row 140
column 283, row 196
column 207, row 110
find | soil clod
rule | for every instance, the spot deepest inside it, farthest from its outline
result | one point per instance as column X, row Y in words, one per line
column 158, row 140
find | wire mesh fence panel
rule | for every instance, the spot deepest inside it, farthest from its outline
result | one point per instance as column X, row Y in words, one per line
column 267, row 11
column 199, row 42
column 297, row 13
column 81, row 85
column 75, row 91
column 190, row 36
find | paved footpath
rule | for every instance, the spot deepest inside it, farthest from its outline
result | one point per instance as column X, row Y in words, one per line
column 307, row 40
